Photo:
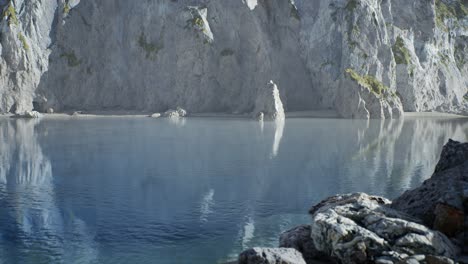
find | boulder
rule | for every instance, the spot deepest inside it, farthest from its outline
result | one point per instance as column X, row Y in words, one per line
column 155, row 115
column 31, row 114
column 171, row 114
column 269, row 103
column 50, row 110
column 182, row 112
column 360, row 228
column 271, row 256
column 260, row 116
column 439, row 201
column 300, row 239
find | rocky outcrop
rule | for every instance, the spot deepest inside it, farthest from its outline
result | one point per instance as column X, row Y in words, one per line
column 367, row 97
column 215, row 56
column 360, row 228
column 440, row 201
column 425, row 225
column 268, row 104
column 271, row 256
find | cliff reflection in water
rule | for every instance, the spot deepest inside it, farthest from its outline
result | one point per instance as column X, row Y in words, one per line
column 131, row 190
column 33, row 229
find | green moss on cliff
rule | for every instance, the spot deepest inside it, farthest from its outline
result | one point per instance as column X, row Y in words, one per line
column 71, row 58
column 294, row 12
column 351, row 5
column 10, row 13
column 401, row 53
column 150, row 48
column 66, row 8
column 367, row 81
column 198, row 21
column 444, row 58
column 23, row 41
column 457, row 9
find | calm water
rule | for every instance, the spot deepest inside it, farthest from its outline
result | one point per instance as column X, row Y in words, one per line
column 128, row 190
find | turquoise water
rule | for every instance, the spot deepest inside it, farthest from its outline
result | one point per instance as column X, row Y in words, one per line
column 142, row 190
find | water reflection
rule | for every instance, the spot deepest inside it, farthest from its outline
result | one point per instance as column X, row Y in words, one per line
column 135, row 190
column 31, row 222
column 279, row 128
column 206, row 204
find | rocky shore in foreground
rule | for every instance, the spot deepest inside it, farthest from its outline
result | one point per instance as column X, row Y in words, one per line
column 424, row 225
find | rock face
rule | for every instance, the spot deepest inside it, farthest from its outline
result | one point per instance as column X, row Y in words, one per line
column 271, row 256
column 362, row 58
column 440, row 201
column 268, row 104
column 360, row 228
column 300, row 239
column 368, row 98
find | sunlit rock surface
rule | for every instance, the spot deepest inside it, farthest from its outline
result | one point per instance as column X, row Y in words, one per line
column 359, row 228
column 268, row 104
column 214, row 56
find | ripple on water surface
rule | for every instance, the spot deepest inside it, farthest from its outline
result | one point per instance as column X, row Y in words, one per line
column 132, row 190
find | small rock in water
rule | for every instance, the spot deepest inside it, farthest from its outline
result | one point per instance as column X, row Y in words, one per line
column 76, row 113
column 260, row 116
column 271, row 256
column 155, row 115
column 182, row 112
column 171, row 114
column 269, row 103
column 31, row 114
column 50, row 110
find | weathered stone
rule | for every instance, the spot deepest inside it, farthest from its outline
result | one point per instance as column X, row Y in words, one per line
column 31, row 114
column 448, row 219
column 439, row 201
column 268, row 103
column 453, row 154
column 271, row 256
column 260, row 116
column 171, row 114
column 300, row 239
column 438, row 260
column 181, row 112
column 155, row 115
column 358, row 228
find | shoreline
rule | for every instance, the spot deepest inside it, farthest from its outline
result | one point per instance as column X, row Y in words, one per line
column 325, row 114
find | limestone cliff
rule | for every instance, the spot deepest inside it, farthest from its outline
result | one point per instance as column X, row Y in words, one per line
column 362, row 58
